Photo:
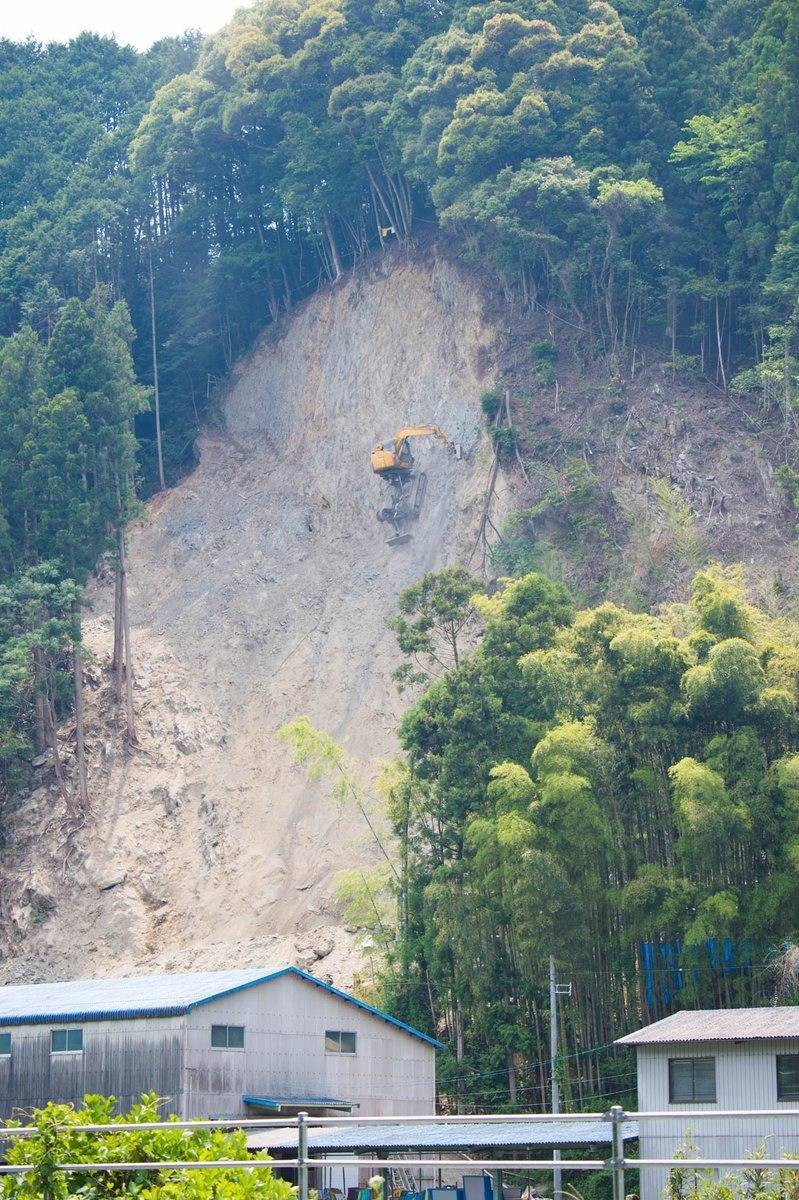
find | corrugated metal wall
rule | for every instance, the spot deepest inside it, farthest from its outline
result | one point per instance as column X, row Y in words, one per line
column 284, row 1054
column 120, row 1058
column 746, row 1078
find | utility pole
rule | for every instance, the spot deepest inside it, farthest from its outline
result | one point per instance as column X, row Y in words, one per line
column 555, row 989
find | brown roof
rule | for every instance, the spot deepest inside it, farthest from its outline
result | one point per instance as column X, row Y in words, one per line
column 719, row 1025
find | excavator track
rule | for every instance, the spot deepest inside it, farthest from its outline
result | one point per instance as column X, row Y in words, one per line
column 408, row 500
column 419, row 493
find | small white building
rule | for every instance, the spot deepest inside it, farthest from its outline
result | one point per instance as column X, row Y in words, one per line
column 216, row 1044
column 716, row 1060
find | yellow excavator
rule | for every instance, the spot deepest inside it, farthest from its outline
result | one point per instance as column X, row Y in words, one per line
column 393, row 462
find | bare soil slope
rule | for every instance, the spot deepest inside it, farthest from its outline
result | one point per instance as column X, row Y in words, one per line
column 260, row 589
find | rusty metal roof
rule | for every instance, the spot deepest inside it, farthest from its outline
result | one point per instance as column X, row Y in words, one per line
column 719, row 1025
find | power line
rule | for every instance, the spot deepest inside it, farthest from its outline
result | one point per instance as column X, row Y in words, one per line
column 539, row 1062
column 537, row 1087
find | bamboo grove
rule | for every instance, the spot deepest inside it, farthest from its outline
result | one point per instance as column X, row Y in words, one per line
column 619, row 789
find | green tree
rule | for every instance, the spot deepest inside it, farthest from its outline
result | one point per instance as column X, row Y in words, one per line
column 434, row 618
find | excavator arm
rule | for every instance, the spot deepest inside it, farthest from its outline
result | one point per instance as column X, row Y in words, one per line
column 412, row 431
column 396, row 455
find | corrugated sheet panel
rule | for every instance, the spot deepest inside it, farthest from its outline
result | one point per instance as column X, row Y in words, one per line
column 463, row 1135
column 151, row 996
column 276, row 1103
column 719, row 1024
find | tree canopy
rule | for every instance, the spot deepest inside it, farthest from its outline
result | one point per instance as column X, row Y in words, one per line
column 618, row 788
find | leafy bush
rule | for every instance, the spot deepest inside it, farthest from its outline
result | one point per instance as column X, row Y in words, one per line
column 55, row 1142
column 788, row 479
column 505, row 441
column 490, row 402
column 686, row 367
column 543, row 351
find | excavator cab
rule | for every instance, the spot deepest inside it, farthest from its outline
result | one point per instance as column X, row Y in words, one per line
column 386, row 457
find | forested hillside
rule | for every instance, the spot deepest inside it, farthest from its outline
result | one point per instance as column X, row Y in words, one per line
column 618, row 789
column 623, row 184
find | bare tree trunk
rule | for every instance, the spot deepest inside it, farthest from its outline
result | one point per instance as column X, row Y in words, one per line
column 116, row 662
column 609, row 312
column 331, row 239
column 155, row 370
column 718, row 344
column 512, row 1091
column 458, row 1015
column 80, row 743
column 52, row 737
column 392, row 216
column 286, row 288
column 42, row 742
column 123, row 600
column 373, row 198
column 673, row 330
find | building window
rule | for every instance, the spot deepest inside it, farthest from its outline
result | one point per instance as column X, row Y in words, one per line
column 5, row 1045
column 63, row 1041
column 692, row 1079
column 227, row 1037
column 788, row 1076
column 339, row 1042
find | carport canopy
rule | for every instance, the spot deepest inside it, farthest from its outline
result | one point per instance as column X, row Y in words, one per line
column 463, row 1135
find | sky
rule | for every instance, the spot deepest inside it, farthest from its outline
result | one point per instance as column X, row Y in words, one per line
column 138, row 22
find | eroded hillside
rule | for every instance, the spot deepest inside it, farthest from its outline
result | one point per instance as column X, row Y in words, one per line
column 260, row 589
column 261, row 586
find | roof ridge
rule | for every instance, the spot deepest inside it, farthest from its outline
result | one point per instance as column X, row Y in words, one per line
column 109, row 999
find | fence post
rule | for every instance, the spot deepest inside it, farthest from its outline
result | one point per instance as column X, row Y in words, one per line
column 302, row 1156
column 617, row 1115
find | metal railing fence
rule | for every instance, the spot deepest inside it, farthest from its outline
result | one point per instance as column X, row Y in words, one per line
column 617, row 1162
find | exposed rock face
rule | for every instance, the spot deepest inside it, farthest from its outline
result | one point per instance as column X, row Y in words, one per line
column 260, row 589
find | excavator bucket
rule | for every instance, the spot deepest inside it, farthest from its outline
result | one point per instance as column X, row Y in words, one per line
column 399, row 539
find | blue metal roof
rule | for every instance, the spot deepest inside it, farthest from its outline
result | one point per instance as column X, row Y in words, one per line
column 463, row 1134
column 153, row 996
column 276, row 1104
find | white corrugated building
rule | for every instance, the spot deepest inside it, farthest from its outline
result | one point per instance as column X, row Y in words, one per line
column 215, row 1044
column 710, row 1060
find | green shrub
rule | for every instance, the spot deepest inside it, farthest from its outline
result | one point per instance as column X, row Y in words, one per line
column 505, row 441
column 788, row 479
column 56, row 1142
column 543, row 351
column 490, row 402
